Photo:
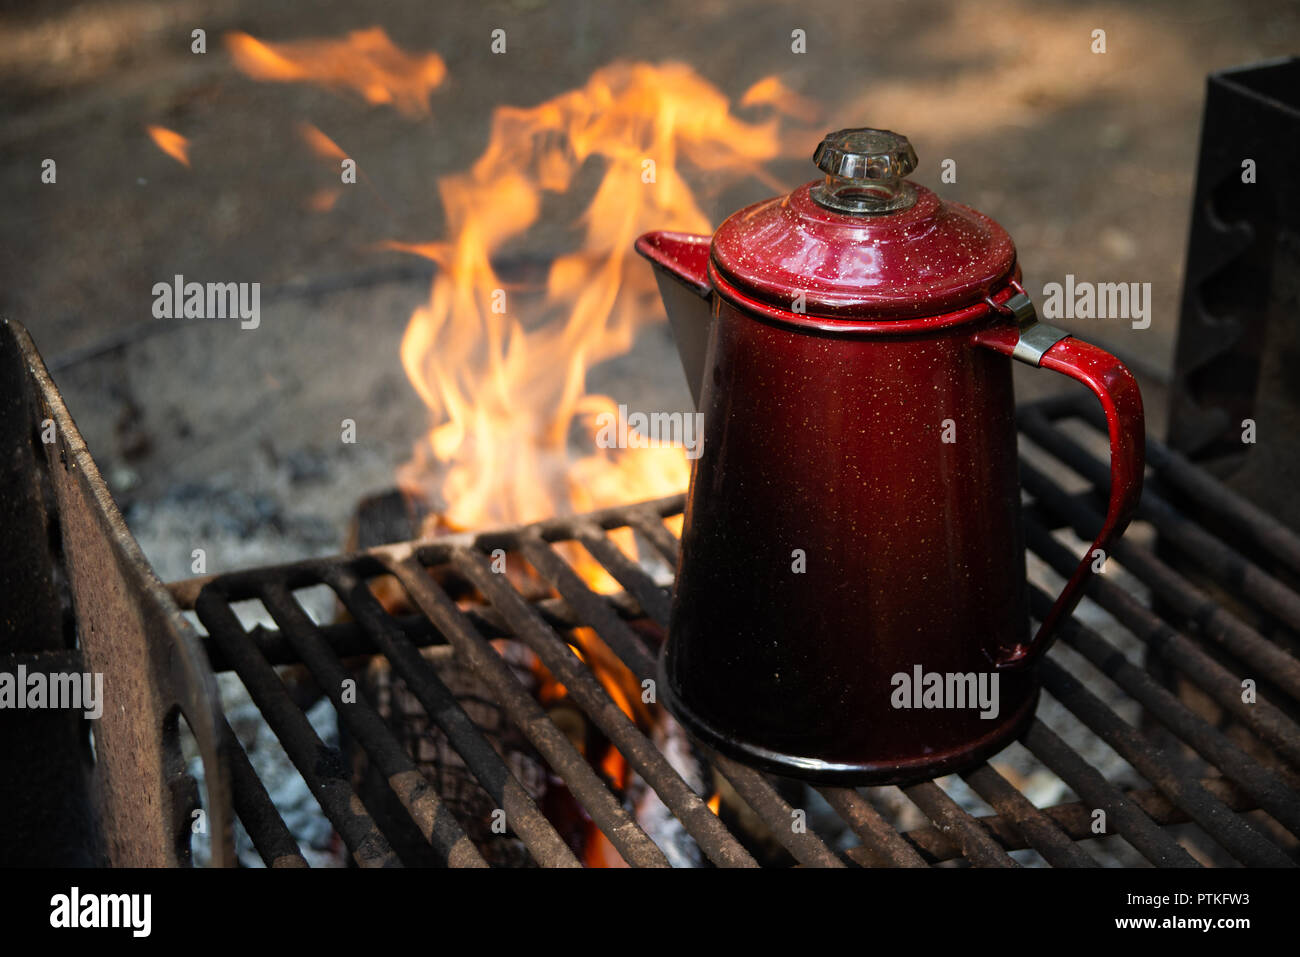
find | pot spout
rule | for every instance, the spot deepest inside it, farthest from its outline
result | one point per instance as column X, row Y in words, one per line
column 680, row 262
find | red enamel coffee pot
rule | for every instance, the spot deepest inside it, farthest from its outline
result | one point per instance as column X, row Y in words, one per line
column 851, row 603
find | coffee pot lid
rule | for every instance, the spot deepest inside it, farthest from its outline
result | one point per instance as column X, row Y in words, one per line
column 864, row 242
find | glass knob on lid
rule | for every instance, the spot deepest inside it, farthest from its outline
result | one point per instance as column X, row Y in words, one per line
column 865, row 172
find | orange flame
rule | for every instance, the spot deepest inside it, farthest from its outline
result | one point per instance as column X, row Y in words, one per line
column 171, row 143
column 502, row 370
column 770, row 91
column 365, row 61
column 322, row 200
column 321, row 144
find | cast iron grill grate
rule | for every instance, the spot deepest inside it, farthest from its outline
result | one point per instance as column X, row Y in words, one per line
column 1219, row 612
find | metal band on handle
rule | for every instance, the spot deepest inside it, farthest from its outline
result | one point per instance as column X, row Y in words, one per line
column 1048, row 348
column 1035, row 337
column 1035, row 340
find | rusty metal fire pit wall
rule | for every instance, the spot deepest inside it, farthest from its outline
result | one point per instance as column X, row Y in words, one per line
column 79, row 597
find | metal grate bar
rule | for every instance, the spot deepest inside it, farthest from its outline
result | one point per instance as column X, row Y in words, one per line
column 1268, row 722
column 806, row 847
column 363, row 722
column 1218, row 820
column 879, row 839
column 1040, row 832
column 591, row 608
column 321, row 767
column 271, row 836
column 650, row 524
column 1176, row 471
column 700, row 822
column 1266, row 787
column 1216, row 557
column 757, row 791
column 631, row 842
column 1213, row 619
column 558, row 528
column 1130, row 821
column 976, row 844
column 350, row 640
column 1074, row 819
column 522, row 815
column 1264, row 530
column 654, row 599
column 346, row 638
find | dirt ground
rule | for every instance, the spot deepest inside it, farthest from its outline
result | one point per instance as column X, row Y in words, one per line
column 230, row 439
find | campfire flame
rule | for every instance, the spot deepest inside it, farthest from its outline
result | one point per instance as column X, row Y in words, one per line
column 171, row 143
column 366, row 62
column 502, row 368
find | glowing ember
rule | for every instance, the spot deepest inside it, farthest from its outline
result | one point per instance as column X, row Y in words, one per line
column 323, row 200
column 171, row 143
column 365, row 61
column 321, row 144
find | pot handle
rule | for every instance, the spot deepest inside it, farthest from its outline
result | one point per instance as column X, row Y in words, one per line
column 1047, row 347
